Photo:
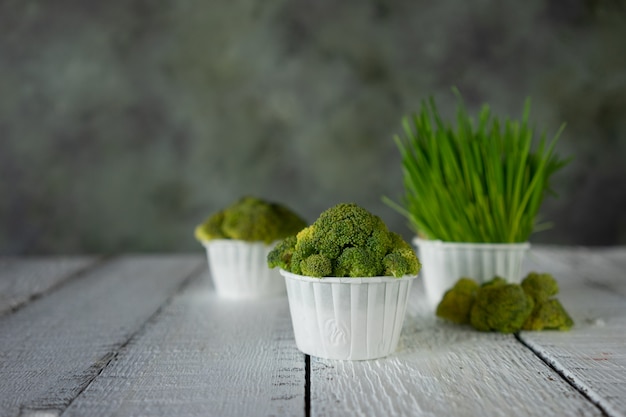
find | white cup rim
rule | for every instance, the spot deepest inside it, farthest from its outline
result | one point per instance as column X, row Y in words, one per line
column 345, row 280
column 440, row 243
column 234, row 242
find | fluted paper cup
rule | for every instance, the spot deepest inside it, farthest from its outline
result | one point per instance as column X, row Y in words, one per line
column 239, row 269
column 443, row 263
column 347, row 318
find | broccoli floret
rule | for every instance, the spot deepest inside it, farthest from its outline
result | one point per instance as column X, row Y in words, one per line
column 500, row 307
column 282, row 253
column 303, row 248
column 380, row 241
column 397, row 242
column 211, row 228
column 253, row 220
column 540, row 286
column 401, row 262
column 549, row 315
column 342, row 226
column 357, row 262
column 316, row 265
column 493, row 282
column 305, row 243
column 507, row 308
column 457, row 302
column 355, row 242
column 291, row 223
column 401, row 259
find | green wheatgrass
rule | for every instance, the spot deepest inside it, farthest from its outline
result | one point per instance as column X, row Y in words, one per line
column 476, row 182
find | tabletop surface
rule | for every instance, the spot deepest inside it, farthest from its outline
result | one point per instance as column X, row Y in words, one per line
column 146, row 335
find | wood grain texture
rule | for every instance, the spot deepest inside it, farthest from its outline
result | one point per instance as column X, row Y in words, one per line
column 204, row 356
column 123, row 339
column 592, row 355
column 444, row 369
column 51, row 349
column 22, row 279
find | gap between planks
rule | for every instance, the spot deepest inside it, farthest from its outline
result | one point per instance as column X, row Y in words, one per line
column 574, row 382
column 307, row 385
column 109, row 357
column 72, row 276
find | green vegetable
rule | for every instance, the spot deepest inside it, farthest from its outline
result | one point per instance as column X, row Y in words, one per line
column 211, row 228
column 476, row 182
column 400, row 261
column 250, row 219
column 355, row 262
column 502, row 308
column 549, row 315
column 507, row 308
column 281, row 255
column 345, row 241
column 548, row 312
column 540, row 286
column 316, row 265
column 457, row 302
column 494, row 282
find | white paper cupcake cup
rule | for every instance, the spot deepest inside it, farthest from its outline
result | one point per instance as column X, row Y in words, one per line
column 443, row 263
column 347, row 318
column 239, row 269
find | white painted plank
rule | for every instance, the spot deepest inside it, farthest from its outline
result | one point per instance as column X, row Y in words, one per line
column 53, row 347
column 444, row 369
column 22, row 279
column 593, row 354
column 204, row 356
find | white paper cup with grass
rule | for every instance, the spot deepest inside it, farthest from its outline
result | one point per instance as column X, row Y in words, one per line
column 239, row 269
column 347, row 318
column 443, row 263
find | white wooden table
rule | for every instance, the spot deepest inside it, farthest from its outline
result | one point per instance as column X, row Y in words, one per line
column 147, row 336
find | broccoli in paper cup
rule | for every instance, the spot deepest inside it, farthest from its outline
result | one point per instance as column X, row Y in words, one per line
column 348, row 281
column 238, row 239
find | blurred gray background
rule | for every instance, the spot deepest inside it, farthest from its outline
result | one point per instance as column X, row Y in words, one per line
column 123, row 124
